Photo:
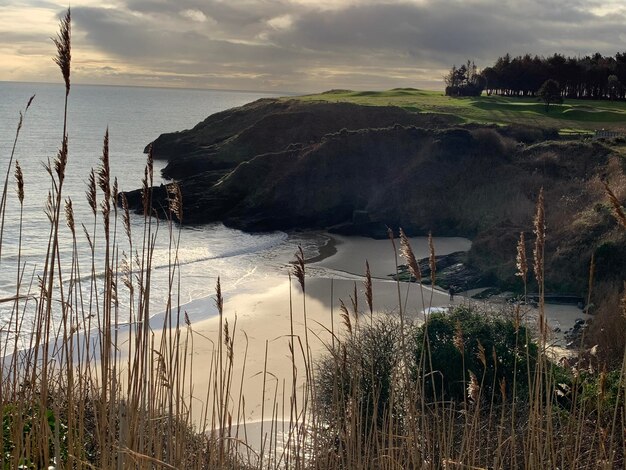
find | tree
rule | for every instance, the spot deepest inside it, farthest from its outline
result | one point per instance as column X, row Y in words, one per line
column 550, row 92
column 464, row 81
column 614, row 87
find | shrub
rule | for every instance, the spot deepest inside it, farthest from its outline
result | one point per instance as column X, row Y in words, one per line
column 362, row 375
column 358, row 377
column 451, row 345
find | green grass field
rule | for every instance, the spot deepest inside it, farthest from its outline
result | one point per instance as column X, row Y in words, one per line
column 571, row 117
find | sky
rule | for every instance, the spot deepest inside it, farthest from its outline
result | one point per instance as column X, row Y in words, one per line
column 296, row 45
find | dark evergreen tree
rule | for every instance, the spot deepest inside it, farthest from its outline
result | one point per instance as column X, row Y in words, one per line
column 584, row 77
column 464, row 81
column 550, row 92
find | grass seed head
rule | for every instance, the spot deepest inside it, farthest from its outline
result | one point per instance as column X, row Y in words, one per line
column 19, row 178
column 91, row 192
column 298, row 267
column 521, row 259
column 540, row 240
column 432, row 260
column 473, row 388
column 369, row 298
column 407, row 252
column 175, row 200
column 63, row 43
column 219, row 300
column 616, row 205
column 69, row 215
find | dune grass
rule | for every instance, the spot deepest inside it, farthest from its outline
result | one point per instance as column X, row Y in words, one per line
column 572, row 114
column 88, row 393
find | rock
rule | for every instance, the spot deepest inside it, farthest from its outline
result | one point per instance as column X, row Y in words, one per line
column 279, row 164
column 452, row 272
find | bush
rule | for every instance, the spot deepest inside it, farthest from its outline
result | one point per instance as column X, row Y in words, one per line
column 358, row 376
column 363, row 375
column 448, row 347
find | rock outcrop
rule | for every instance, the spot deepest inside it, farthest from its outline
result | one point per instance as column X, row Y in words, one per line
column 285, row 164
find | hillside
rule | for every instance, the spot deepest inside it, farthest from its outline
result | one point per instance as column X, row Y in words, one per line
column 289, row 164
column 573, row 116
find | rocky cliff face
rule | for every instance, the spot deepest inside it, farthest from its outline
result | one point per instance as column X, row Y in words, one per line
column 353, row 169
column 225, row 139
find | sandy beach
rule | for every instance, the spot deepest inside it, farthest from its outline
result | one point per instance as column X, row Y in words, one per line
column 261, row 321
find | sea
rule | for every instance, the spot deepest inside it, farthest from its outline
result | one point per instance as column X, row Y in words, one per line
column 134, row 117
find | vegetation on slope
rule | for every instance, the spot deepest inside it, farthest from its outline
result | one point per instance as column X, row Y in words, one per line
column 474, row 181
column 571, row 115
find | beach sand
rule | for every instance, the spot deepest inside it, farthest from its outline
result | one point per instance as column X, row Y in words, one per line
column 262, row 320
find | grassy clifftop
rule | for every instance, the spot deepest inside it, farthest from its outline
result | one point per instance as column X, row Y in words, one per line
column 570, row 117
column 411, row 159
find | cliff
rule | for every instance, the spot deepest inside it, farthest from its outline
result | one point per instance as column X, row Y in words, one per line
column 280, row 165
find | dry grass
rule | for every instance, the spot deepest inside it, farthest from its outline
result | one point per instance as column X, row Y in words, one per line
column 88, row 394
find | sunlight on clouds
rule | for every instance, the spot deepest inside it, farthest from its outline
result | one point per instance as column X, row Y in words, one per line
column 283, row 22
column 341, row 4
column 26, row 20
column 23, row 68
column 194, row 15
column 608, row 8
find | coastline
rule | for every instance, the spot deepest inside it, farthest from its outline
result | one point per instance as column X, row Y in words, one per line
column 262, row 316
column 326, row 250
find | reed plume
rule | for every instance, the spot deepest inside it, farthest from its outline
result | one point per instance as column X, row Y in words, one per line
column 369, row 298
column 104, row 172
column 522, row 263
column 30, row 101
column 125, row 215
column 69, row 215
column 298, row 267
column 175, row 200
column 219, row 299
column 432, row 260
column 104, row 182
column 616, row 205
column 115, row 192
column 407, row 253
column 473, row 388
column 480, row 354
column 592, row 273
column 60, row 162
column 64, row 48
column 458, row 338
column 345, row 316
column 539, row 230
column 19, row 178
column 146, row 184
column 521, row 260
column 91, row 192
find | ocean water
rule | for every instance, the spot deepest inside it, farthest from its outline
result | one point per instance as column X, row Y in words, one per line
column 134, row 117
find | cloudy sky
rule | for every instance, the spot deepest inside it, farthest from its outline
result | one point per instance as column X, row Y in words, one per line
column 296, row 45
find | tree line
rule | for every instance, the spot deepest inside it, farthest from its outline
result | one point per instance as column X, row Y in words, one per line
column 589, row 77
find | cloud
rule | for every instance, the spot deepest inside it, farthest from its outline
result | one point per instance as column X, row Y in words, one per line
column 194, row 15
column 312, row 45
column 281, row 23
